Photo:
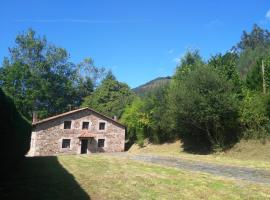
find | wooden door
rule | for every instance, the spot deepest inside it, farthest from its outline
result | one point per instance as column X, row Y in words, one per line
column 84, row 145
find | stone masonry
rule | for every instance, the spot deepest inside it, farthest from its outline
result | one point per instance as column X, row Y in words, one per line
column 48, row 135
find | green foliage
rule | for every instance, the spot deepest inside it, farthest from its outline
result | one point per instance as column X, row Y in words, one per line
column 252, row 48
column 254, row 79
column 208, row 104
column 188, row 63
column 226, row 66
column 92, row 73
column 258, row 37
column 205, row 109
column 110, row 97
column 148, row 117
column 254, row 115
column 39, row 77
column 136, row 120
column 156, row 106
column 15, row 134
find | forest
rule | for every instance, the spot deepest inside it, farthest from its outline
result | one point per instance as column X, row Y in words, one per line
column 209, row 104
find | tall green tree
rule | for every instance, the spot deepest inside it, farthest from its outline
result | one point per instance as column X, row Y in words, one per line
column 204, row 108
column 156, row 108
column 258, row 37
column 252, row 48
column 191, row 61
column 39, row 77
column 226, row 66
column 110, row 97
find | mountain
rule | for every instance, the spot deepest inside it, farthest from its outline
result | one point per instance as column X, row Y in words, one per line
column 151, row 86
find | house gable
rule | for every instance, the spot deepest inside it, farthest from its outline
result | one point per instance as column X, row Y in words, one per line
column 102, row 133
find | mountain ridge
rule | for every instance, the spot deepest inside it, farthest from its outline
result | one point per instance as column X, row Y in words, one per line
column 151, row 85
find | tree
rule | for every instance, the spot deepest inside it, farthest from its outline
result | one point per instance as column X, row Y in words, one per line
column 254, row 79
column 258, row 37
column 39, row 77
column 156, row 108
column 252, row 48
column 226, row 66
column 91, row 72
column 110, row 97
column 254, row 115
column 205, row 109
column 188, row 63
column 137, row 121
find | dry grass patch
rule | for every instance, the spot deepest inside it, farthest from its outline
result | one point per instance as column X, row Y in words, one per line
column 246, row 153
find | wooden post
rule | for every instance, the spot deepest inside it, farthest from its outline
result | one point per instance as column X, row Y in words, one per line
column 263, row 79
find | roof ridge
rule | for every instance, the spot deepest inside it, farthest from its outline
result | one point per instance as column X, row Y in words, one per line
column 74, row 111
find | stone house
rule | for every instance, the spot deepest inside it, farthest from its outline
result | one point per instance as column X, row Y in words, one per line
column 81, row 131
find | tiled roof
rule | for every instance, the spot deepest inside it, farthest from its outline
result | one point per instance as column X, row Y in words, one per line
column 74, row 111
column 86, row 135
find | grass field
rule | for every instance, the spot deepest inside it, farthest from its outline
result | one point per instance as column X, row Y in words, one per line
column 246, row 153
column 106, row 177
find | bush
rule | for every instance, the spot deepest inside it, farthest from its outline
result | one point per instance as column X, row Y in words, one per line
column 15, row 134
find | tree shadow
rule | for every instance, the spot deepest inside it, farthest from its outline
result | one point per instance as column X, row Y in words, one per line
column 41, row 178
column 202, row 146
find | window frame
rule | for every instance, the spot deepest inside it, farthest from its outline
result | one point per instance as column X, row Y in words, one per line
column 64, row 127
column 98, row 144
column 69, row 143
column 102, row 122
column 85, row 122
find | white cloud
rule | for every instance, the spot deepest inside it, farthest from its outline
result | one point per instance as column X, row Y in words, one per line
column 267, row 15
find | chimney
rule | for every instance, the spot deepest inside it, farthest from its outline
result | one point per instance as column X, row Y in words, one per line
column 35, row 118
column 114, row 118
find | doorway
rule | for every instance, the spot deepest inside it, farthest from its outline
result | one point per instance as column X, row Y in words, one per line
column 84, row 145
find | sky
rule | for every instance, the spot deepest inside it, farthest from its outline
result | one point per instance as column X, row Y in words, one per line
column 139, row 40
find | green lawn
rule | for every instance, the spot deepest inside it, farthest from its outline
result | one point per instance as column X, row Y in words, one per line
column 106, row 177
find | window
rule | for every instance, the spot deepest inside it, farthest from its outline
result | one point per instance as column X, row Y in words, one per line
column 67, row 124
column 85, row 125
column 101, row 125
column 101, row 142
column 66, row 143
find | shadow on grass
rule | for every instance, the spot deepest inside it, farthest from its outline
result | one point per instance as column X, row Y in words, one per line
column 41, row 178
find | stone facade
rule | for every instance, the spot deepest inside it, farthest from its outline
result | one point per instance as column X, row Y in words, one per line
column 49, row 135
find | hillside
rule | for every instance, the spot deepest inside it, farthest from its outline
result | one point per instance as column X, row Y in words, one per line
column 151, row 85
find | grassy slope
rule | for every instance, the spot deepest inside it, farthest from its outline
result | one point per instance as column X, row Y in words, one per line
column 245, row 153
column 106, row 177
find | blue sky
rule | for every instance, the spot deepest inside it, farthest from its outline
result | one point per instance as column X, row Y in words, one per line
column 139, row 39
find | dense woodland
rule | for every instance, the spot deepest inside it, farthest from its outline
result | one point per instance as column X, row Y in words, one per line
column 209, row 104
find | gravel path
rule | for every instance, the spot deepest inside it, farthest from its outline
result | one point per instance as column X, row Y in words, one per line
column 240, row 173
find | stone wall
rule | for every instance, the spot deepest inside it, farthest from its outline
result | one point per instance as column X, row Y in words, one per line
column 47, row 137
